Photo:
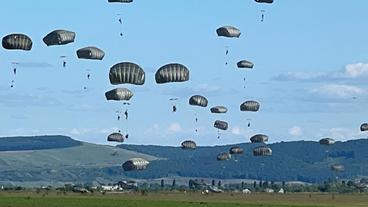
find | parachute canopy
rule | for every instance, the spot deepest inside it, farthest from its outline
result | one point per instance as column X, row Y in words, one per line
column 228, row 31
column 221, row 125
column 327, row 141
column 59, row 37
column 364, row 127
column 126, row 72
column 218, row 109
column 245, row 64
column 91, row 53
column 119, row 94
column 120, row 1
column 264, row 1
column 135, row 164
column 198, row 100
column 337, row 167
column 250, row 106
column 173, row 72
column 223, row 156
column 259, row 138
column 115, row 137
column 262, row 151
column 188, row 144
column 236, row 150
column 17, row 42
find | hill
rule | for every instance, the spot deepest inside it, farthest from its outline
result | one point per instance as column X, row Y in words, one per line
column 36, row 143
column 305, row 161
column 61, row 161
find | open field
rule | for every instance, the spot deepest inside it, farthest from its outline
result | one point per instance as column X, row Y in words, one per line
column 181, row 200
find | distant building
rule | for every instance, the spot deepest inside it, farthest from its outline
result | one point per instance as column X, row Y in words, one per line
column 269, row 190
column 246, row 191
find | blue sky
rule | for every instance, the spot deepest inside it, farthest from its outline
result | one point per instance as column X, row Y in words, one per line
column 311, row 59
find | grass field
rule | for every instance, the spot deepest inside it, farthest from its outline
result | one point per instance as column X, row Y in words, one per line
column 181, row 200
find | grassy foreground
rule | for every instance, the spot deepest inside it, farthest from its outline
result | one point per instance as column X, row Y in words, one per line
column 181, row 200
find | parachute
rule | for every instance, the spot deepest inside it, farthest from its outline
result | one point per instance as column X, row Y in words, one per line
column 264, row 1
column 250, row 106
column 245, row 64
column 126, row 72
column 188, row 144
column 119, row 94
column 262, row 151
column 259, row 138
column 236, row 150
column 228, row 31
column 218, row 109
column 91, row 53
column 115, row 137
column 198, row 100
column 173, row 72
column 59, row 37
column 337, row 167
column 327, row 141
column 120, row 1
column 17, row 42
column 364, row 127
column 223, row 156
column 135, row 164
column 221, row 125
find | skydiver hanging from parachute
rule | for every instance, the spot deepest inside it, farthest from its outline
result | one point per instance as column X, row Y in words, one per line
column 126, row 114
column 262, row 15
column 173, row 100
column 63, row 60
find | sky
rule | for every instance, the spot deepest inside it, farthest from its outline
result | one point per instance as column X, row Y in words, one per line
column 310, row 70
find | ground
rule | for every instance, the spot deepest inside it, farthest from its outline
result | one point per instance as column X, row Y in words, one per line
column 33, row 199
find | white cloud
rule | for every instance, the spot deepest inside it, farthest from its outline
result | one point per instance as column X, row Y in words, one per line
column 340, row 133
column 174, row 128
column 356, row 70
column 296, row 131
column 340, row 90
column 350, row 72
column 236, row 130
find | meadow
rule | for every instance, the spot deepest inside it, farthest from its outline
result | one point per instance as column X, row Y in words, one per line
column 32, row 199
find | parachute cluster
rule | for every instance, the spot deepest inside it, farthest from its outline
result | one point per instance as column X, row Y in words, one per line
column 129, row 73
